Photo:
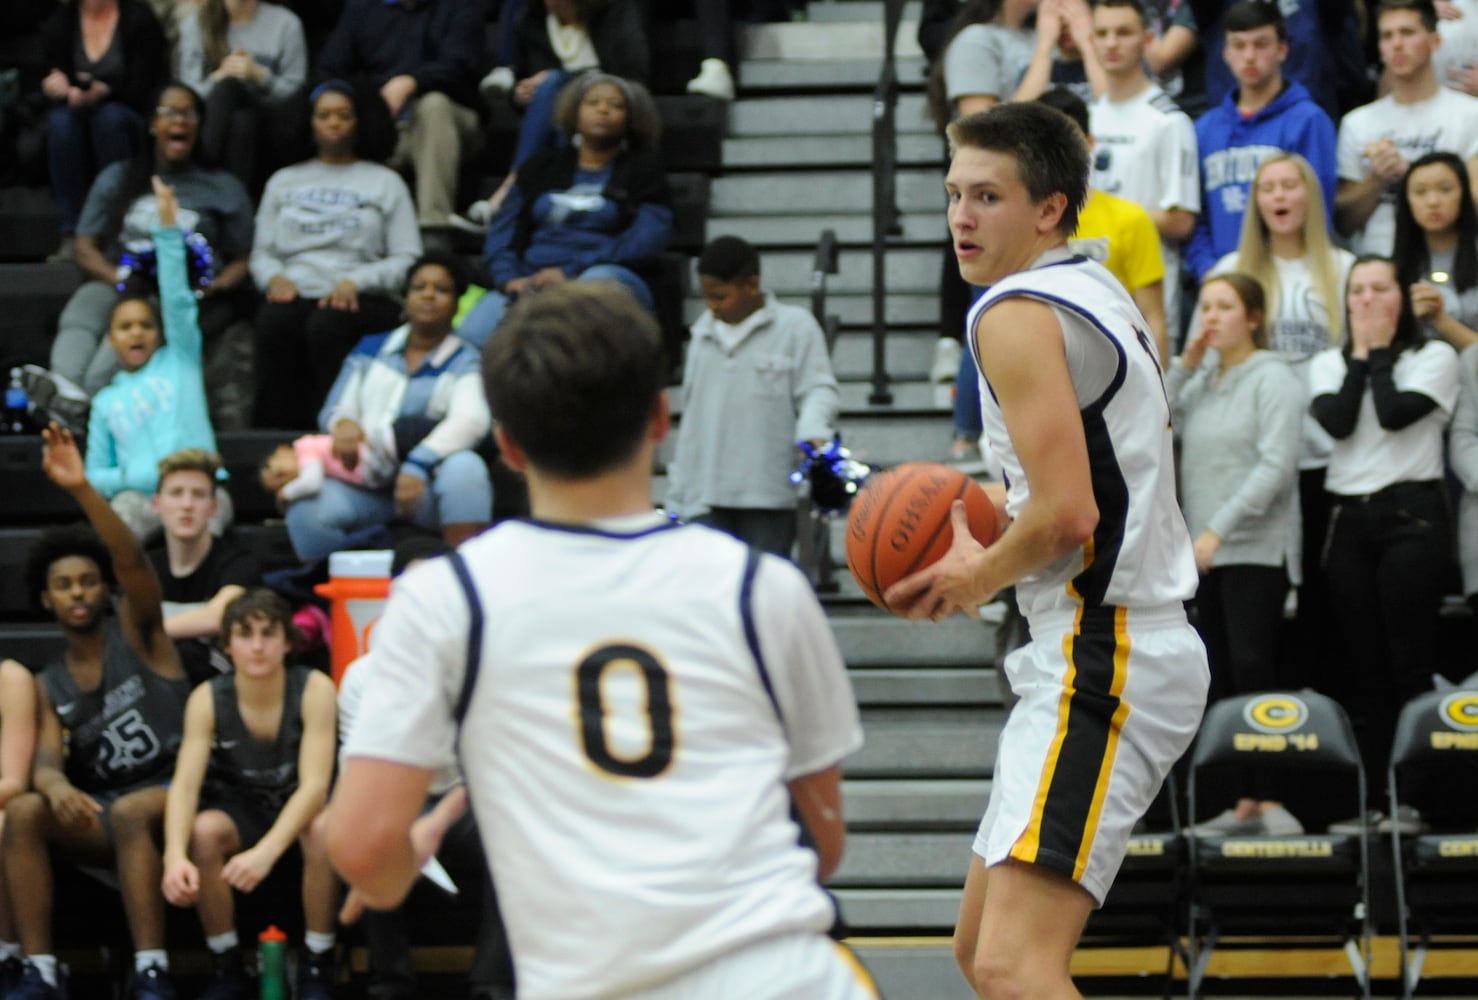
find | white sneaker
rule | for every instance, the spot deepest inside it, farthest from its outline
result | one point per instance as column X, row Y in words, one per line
column 946, row 366
column 1279, row 822
column 476, row 219
column 713, row 80
column 1227, row 824
column 499, row 81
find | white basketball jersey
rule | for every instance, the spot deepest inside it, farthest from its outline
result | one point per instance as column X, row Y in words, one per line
column 1140, row 553
column 643, row 697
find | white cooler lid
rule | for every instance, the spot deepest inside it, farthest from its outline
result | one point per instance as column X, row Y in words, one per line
column 370, row 563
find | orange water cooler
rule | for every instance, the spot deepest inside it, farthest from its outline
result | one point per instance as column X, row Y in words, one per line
column 359, row 583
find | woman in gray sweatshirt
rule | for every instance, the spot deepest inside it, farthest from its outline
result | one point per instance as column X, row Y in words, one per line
column 1238, row 409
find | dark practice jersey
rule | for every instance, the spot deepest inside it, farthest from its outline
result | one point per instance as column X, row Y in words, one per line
column 262, row 773
column 126, row 732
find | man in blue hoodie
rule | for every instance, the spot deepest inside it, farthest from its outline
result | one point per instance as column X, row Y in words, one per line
column 1265, row 115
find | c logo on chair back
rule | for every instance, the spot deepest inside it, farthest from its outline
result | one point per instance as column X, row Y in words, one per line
column 1283, row 713
column 1459, row 711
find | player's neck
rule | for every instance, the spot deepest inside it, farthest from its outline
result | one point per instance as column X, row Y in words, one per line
column 1131, row 84
column 1419, row 86
column 261, row 692
column 619, row 493
column 186, row 554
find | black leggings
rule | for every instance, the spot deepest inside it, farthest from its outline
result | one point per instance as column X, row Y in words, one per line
column 1385, row 557
column 1240, row 614
column 250, row 134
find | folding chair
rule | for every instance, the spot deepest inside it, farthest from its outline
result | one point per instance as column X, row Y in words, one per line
column 1290, row 892
column 1434, row 761
column 1147, row 904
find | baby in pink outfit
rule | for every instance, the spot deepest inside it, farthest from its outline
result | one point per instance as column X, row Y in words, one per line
column 297, row 470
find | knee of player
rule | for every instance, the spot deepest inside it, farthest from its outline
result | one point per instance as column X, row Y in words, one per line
column 998, row 975
column 212, row 839
column 25, row 816
column 137, row 815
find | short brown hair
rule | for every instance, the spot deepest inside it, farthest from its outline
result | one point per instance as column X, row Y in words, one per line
column 573, row 376
column 259, row 602
column 1051, row 152
column 190, row 460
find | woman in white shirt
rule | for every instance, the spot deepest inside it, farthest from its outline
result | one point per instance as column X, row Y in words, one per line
column 1386, row 398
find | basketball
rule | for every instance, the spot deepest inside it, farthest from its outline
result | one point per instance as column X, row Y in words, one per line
column 900, row 523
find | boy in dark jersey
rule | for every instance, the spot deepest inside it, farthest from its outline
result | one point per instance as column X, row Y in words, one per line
column 111, row 715
column 253, row 772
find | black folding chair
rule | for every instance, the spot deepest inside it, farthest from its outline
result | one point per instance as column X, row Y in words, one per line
column 1147, row 903
column 1289, row 892
column 1434, row 761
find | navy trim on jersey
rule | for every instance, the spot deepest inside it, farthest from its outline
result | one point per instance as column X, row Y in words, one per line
column 751, row 633
column 474, row 637
column 1110, row 489
column 585, row 529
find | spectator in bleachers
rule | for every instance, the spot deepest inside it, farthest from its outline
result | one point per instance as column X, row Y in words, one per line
column 1286, row 247
column 334, row 236
column 107, row 57
column 253, row 771
column 1174, row 56
column 557, row 41
column 118, row 219
column 249, row 60
column 598, row 210
column 1144, row 146
column 1386, row 398
column 155, row 404
column 111, row 712
column 418, row 370
column 425, row 56
column 1324, row 50
column 983, row 55
column 1437, row 246
column 199, row 574
column 17, row 751
column 1063, row 55
column 1237, row 409
column 1378, row 141
column 988, row 49
column 1264, row 116
column 1119, row 234
column 296, row 470
column 1456, row 59
column 1463, row 458
column 758, row 379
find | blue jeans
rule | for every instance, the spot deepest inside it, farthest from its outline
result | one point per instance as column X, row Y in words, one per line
column 80, row 142
column 459, row 493
column 478, row 325
column 967, row 388
column 537, row 131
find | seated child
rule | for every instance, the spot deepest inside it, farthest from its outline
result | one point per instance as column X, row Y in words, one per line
column 297, row 470
column 253, row 771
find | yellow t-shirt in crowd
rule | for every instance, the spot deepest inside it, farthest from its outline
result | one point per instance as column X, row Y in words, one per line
column 1120, row 235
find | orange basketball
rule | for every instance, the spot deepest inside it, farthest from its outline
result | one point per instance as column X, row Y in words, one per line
column 900, row 523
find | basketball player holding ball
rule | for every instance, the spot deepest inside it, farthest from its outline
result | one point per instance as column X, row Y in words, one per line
column 1113, row 683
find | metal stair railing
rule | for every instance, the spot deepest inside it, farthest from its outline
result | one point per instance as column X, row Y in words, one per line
column 884, row 196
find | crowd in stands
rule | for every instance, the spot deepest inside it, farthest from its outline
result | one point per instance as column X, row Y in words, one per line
column 1284, row 188
column 249, row 169
column 1307, row 171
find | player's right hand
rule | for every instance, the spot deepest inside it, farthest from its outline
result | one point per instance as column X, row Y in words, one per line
column 181, row 883
column 947, row 586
